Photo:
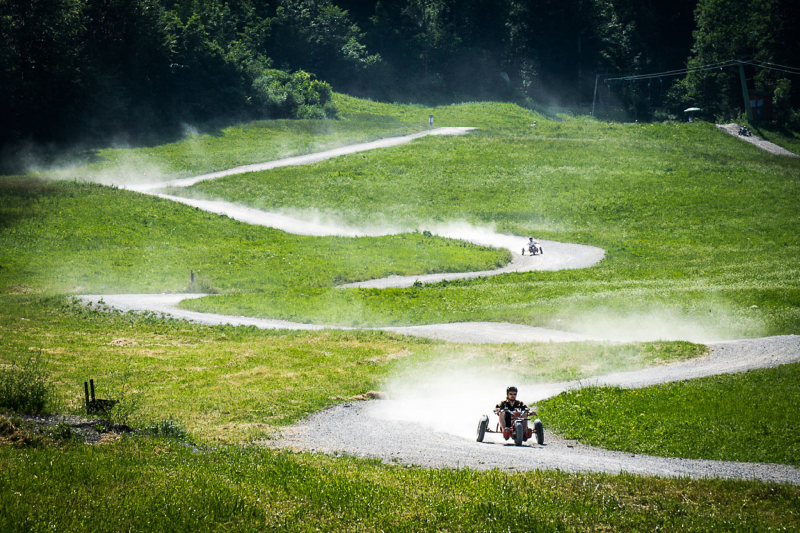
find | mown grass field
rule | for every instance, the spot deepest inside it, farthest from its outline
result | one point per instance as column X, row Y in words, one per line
column 143, row 485
column 697, row 225
column 698, row 230
column 747, row 417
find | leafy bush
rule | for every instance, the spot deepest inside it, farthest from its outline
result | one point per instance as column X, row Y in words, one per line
column 25, row 388
column 298, row 95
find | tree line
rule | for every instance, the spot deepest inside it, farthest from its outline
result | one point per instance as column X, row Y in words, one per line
column 95, row 68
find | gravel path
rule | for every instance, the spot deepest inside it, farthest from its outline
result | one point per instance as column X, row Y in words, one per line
column 558, row 256
column 462, row 332
column 298, row 160
column 764, row 144
column 397, row 430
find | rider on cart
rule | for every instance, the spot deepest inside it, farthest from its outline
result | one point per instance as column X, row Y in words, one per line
column 532, row 246
column 504, row 408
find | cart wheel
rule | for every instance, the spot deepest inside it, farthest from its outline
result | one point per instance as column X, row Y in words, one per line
column 537, row 425
column 519, row 432
column 483, row 423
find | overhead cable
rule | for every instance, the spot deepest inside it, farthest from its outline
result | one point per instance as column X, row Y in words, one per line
column 677, row 72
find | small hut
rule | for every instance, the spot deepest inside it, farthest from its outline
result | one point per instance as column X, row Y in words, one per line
column 761, row 104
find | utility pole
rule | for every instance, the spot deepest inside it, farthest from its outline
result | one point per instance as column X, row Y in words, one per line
column 594, row 98
column 745, row 92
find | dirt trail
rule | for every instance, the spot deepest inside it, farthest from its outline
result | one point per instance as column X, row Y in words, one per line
column 400, row 430
column 461, row 332
column 764, row 144
column 298, row 160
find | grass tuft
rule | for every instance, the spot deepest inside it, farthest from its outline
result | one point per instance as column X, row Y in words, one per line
column 25, row 387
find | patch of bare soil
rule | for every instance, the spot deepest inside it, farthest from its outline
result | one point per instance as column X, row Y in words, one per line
column 32, row 430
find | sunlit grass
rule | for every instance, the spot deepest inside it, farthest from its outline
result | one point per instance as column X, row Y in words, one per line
column 267, row 140
column 693, row 226
column 144, row 485
column 231, row 384
column 698, row 233
column 69, row 237
column 748, row 416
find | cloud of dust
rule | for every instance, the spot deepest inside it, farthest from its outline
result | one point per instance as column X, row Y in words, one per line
column 485, row 235
column 322, row 224
column 453, row 400
column 128, row 169
column 655, row 324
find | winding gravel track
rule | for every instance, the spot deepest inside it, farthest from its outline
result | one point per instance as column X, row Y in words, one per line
column 558, row 256
column 393, row 432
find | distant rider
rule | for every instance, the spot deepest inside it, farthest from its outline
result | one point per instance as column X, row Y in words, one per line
column 510, row 404
column 533, row 247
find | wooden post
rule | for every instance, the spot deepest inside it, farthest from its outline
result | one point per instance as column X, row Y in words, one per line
column 91, row 384
column 86, row 390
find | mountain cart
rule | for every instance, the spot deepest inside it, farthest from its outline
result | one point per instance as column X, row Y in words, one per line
column 517, row 431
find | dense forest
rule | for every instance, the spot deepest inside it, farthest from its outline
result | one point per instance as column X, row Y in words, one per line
column 91, row 69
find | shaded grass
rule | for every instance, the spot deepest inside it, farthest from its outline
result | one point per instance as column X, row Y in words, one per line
column 265, row 140
column 144, row 485
column 750, row 416
column 231, row 384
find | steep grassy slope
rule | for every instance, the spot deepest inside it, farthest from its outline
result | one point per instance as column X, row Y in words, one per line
column 700, row 229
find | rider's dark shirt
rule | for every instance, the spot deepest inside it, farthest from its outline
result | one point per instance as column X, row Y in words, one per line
column 506, row 404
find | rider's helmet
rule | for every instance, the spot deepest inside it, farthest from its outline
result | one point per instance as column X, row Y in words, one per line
column 512, row 388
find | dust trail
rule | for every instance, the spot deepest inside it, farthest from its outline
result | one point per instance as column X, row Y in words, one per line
column 419, row 426
column 298, row 160
column 453, row 401
column 558, row 256
column 466, row 333
column 654, row 322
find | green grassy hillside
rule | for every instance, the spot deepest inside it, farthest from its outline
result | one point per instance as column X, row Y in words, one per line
column 234, row 384
column 138, row 485
column 697, row 225
column 699, row 229
column 69, row 237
